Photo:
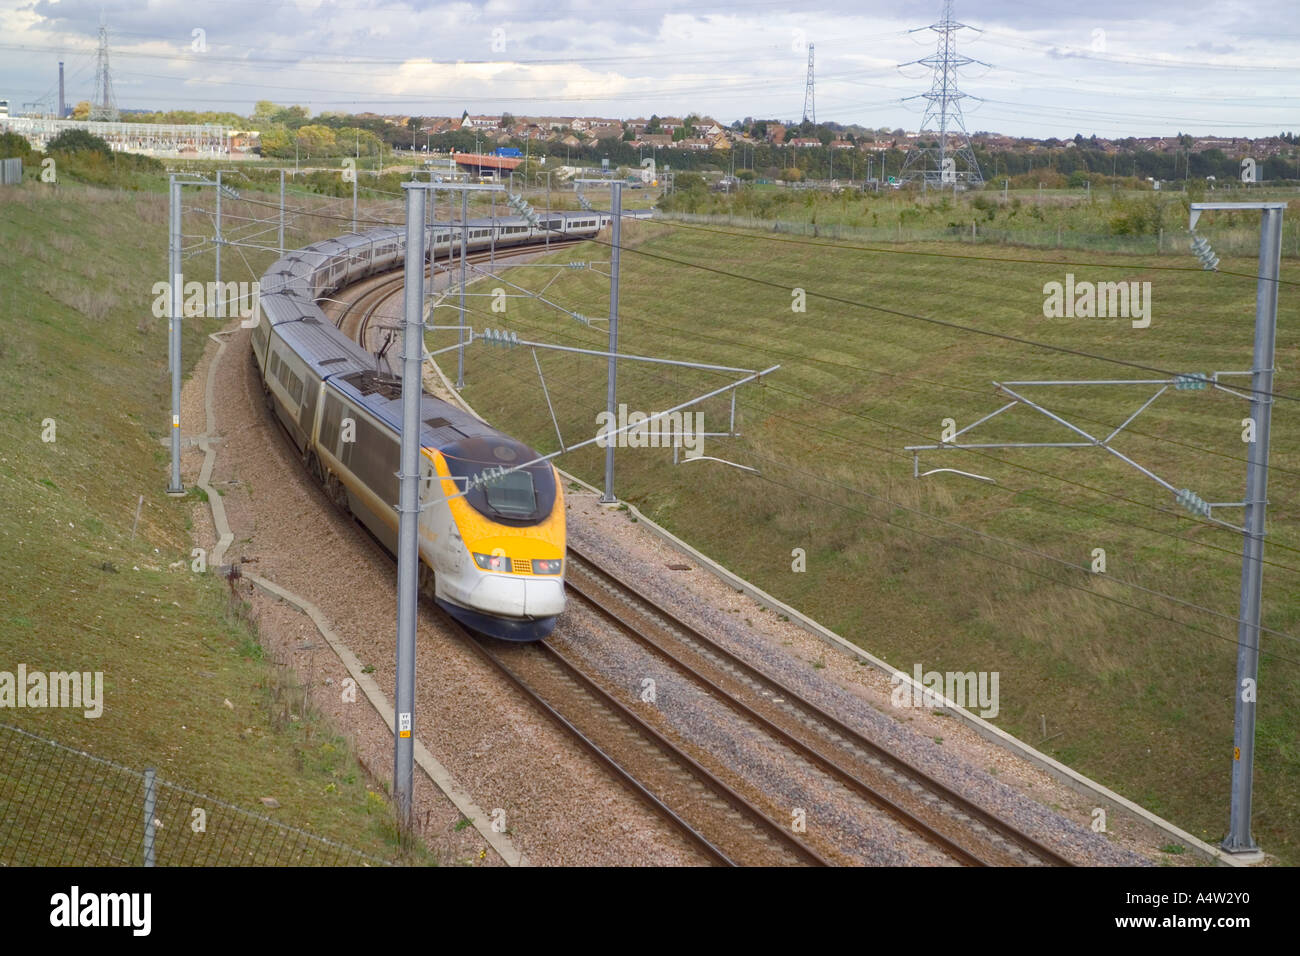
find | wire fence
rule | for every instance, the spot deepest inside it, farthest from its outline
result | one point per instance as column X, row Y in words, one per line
column 64, row 807
column 1238, row 242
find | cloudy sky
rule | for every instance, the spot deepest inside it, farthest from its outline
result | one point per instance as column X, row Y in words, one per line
column 1049, row 67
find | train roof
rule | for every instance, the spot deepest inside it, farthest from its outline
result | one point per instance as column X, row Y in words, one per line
column 345, row 365
column 325, row 350
column 442, row 424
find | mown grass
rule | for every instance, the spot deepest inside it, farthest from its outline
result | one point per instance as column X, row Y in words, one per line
column 947, row 572
column 79, row 346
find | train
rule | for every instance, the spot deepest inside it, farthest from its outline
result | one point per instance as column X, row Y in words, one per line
column 492, row 545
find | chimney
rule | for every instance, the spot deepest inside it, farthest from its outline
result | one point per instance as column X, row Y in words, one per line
column 61, row 106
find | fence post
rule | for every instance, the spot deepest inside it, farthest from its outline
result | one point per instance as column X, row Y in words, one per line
column 150, row 794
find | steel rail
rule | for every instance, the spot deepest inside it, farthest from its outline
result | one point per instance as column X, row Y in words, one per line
column 900, row 765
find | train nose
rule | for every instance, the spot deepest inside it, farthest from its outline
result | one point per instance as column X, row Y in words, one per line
column 518, row 596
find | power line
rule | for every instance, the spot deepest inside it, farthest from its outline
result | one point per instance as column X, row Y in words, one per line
column 767, row 349
column 1078, row 587
column 927, row 253
column 841, row 300
column 892, row 426
column 1001, row 541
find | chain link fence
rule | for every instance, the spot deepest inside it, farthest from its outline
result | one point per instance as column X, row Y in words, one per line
column 64, row 807
column 1242, row 241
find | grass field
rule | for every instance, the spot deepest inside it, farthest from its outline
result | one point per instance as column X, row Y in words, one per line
column 79, row 345
column 1134, row 689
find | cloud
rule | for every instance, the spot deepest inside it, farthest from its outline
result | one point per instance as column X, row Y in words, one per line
column 1049, row 76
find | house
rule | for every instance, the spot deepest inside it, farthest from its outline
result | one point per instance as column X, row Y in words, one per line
column 775, row 133
column 658, row 140
column 841, row 144
column 803, row 142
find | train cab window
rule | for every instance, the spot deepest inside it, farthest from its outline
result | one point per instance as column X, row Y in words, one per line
column 512, row 495
column 518, row 498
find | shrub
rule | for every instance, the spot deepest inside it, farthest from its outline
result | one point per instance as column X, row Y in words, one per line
column 13, row 146
column 77, row 141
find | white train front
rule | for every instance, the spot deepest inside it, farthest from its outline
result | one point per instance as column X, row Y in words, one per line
column 492, row 550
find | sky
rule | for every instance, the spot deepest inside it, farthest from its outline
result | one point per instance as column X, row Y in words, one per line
column 1043, row 67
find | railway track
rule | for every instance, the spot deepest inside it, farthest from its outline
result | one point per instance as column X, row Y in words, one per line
column 356, row 316
column 725, row 826
column 922, row 804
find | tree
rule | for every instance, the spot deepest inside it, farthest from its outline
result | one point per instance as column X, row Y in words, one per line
column 690, row 182
column 276, row 141
column 13, row 146
column 263, row 110
column 317, row 140
column 507, row 121
column 291, row 116
column 654, row 126
column 82, row 110
column 352, row 139
column 78, row 141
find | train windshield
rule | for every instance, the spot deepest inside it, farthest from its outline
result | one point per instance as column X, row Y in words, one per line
column 482, row 466
column 512, row 495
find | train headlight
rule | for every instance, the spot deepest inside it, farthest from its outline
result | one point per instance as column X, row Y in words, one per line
column 548, row 566
column 492, row 562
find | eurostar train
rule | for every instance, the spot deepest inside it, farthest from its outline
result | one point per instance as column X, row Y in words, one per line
column 492, row 556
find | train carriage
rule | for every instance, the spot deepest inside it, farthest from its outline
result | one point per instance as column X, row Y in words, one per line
column 491, row 545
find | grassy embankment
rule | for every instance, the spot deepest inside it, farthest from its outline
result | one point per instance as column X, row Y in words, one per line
column 1136, row 690
column 78, row 345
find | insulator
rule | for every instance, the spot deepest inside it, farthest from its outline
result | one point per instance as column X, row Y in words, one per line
column 1201, row 249
column 1191, row 382
column 1193, row 502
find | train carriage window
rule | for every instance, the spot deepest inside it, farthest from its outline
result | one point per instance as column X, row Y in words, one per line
column 295, row 388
